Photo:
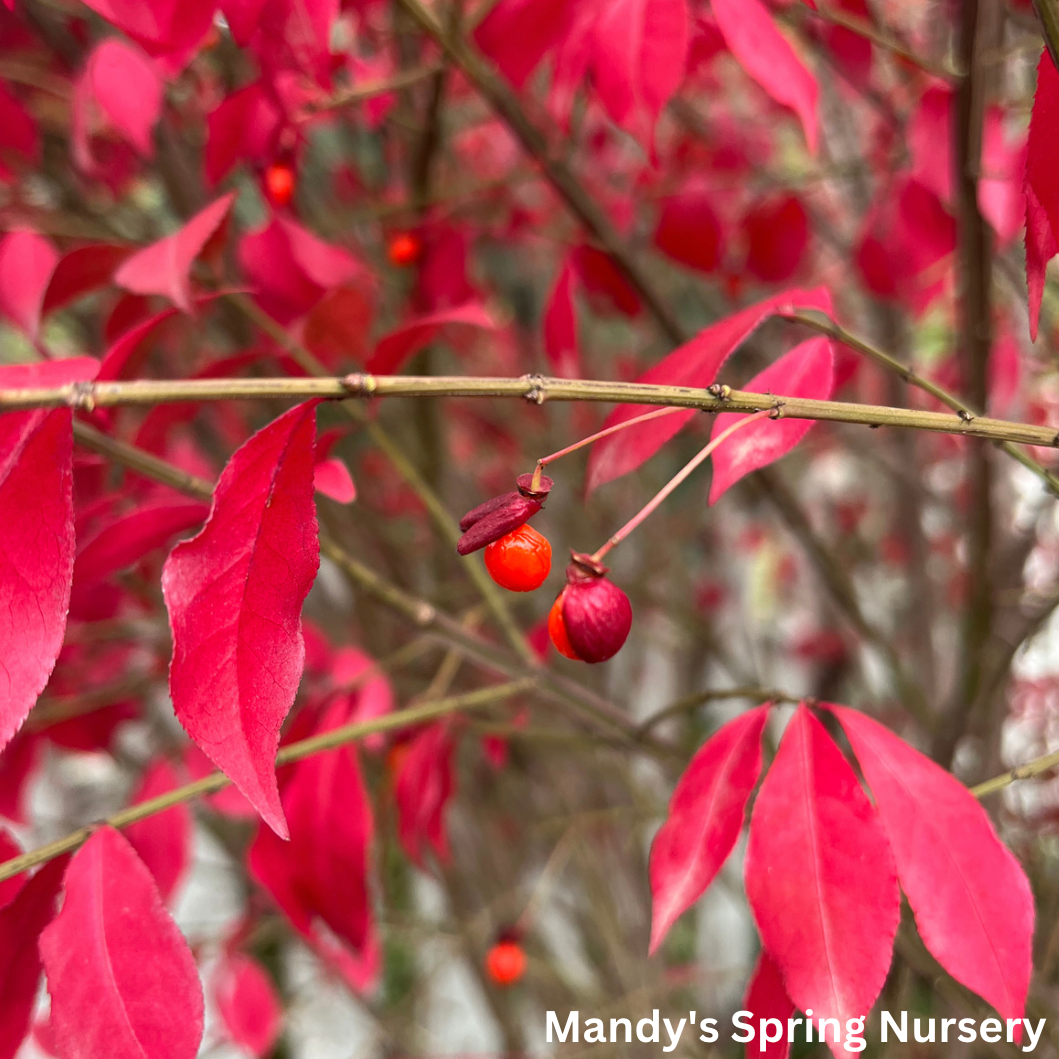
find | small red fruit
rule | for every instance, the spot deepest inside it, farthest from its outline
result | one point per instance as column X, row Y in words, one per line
column 505, row 963
column 557, row 629
column 279, row 183
column 521, row 560
column 404, row 249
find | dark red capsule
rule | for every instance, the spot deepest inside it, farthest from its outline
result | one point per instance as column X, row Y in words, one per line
column 597, row 615
column 497, row 517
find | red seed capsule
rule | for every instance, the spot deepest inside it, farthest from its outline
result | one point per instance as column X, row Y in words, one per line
column 520, row 561
column 497, row 517
column 505, row 963
column 596, row 614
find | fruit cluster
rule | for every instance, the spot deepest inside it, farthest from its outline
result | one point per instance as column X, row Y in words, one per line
column 591, row 617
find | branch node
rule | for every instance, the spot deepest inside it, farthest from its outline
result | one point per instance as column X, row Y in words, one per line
column 424, row 614
column 720, row 391
column 776, row 412
column 965, row 415
column 536, row 394
column 82, row 397
column 358, row 384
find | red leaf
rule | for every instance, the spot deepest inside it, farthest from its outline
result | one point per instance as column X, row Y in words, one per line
column 1042, row 183
column 36, row 552
column 163, row 267
column 248, row 1004
column 768, row 58
column 323, row 872
column 243, row 16
column 122, row 979
column 21, row 923
column 160, row 26
column 127, row 88
column 767, row 999
column 696, row 363
column 291, row 269
column 777, row 235
column 18, row 132
column 972, row 901
column 235, row 594
column 820, row 877
column 560, row 327
column 605, row 284
column 517, row 34
column 242, row 127
column 27, row 261
column 639, row 53
column 162, row 841
column 332, row 478
column 424, row 787
column 705, row 818
column 398, row 346
column 129, row 538
column 81, row 271
column 689, row 231
column 808, row 371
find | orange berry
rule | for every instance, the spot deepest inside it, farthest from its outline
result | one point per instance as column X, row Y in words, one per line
column 404, row 249
column 279, row 183
column 505, row 963
column 520, row 560
column 557, row 629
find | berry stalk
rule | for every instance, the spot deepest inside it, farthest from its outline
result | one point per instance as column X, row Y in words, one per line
column 679, row 477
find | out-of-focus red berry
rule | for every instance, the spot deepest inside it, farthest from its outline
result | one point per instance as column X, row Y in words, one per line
column 557, row 629
column 521, row 560
column 505, row 963
column 404, row 249
column 279, row 183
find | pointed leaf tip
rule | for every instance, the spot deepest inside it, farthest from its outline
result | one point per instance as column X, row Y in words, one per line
column 235, row 595
column 705, row 818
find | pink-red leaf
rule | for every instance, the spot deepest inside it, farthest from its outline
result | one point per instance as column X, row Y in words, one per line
column 332, row 478
column 161, row 27
column 235, row 594
column 164, row 267
column 27, row 261
column 689, row 230
column 640, row 50
column 399, row 345
column 517, row 34
column 807, row 371
column 1042, row 183
column 162, row 841
column 769, row 59
column 972, row 901
column 9, row 888
column 248, row 1004
column 705, row 818
column 127, row 88
column 21, row 923
column 85, row 269
column 424, row 787
column 767, row 999
column 128, row 539
column 36, row 543
column 243, row 126
column 323, row 872
column 777, row 235
column 820, row 877
column 560, row 327
column 122, row 979
column 696, row 363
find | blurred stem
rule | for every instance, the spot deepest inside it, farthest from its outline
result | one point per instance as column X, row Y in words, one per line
column 1047, row 12
column 976, row 337
column 349, row 733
